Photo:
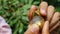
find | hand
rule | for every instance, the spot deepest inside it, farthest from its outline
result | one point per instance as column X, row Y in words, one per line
column 51, row 20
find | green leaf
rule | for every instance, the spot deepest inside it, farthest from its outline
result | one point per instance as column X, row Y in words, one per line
column 25, row 9
column 14, row 2
column 27, row 6
column 20, row 28
column 2, row 11
column 0, row 7
column 16, row 28
column 25, row 18
column 26, row 1
column 57, row 9
column 36, row 2
column 58, row 0
column 30, row 1
column 19, row 12
column 14, row 21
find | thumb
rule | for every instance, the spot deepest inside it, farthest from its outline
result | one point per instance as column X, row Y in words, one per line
column 45, row 29
column 34, row 29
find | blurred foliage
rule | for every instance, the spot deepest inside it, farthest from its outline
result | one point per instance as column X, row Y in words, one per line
column 15, row 12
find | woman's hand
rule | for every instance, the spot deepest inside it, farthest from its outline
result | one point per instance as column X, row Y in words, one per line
column 51, row 19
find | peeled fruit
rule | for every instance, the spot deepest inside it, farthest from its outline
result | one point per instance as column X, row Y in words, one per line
column 38, row 20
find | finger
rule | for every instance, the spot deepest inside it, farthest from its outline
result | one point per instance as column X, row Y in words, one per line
column 50, row 12
column 55, row 26
column 45, row 29
column 34, row 29
column 55, row 18
column 43, row 8
column 31, row 12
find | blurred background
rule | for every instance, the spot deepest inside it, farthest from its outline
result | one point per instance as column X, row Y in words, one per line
column 15, row 12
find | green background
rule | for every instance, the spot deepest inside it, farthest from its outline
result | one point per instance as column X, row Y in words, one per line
column 15, row 12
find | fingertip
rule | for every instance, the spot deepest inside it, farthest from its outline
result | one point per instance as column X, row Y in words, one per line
column 45, row 29
column 47, row 21
column 51, row 7
column 34, row 29
column 43, row 8
column 31, row 11
column 50, row 12
column 44, row 3
column 33, row 7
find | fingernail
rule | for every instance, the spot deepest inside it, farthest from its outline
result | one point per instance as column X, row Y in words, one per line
column 43, row 12
column 43, row 7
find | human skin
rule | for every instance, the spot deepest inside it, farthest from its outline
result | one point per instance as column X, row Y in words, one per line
column 4, row 27
column 50, row 20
